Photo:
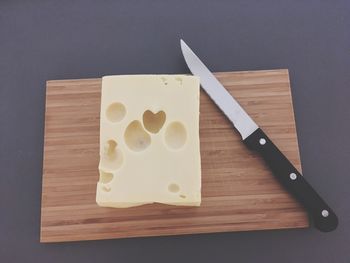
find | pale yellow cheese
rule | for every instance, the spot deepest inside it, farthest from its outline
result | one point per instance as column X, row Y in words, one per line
column 149, row 141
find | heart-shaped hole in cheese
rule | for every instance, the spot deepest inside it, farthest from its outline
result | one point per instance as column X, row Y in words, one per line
column 153, row 122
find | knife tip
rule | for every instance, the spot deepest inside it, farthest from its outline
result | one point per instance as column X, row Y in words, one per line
column 183, row 45
column 182, row 42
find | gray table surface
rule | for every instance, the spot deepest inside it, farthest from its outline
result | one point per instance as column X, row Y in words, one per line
column 43, row 40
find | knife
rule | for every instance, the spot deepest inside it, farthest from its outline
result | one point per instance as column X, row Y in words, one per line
column 255, row 139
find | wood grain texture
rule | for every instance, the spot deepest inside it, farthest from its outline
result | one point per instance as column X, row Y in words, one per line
column 238, row 193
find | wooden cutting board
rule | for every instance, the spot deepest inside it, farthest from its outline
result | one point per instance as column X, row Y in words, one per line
column 238, row 193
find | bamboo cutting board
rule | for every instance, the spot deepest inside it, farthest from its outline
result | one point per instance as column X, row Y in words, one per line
column 238, row 191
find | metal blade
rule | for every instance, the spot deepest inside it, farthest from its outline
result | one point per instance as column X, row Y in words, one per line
column 217, row 92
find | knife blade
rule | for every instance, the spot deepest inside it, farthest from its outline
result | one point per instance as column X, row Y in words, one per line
column 255, row 139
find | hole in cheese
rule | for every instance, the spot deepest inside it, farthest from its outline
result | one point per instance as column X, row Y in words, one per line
column 110, row 148
column 174, row 188
column 153, row 122
column 111, row 156
column 136, row 138
column 179, row 80
column 115, row 112
column 164, row 80
column 106, row 188
column 105, row 177
column 175, row 135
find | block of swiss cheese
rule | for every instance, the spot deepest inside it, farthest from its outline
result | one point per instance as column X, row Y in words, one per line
column 149, row 141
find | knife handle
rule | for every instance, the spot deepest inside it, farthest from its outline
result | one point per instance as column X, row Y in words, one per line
column 323, row 216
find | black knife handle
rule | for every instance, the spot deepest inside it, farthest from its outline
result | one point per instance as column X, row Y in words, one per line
column 323, row 216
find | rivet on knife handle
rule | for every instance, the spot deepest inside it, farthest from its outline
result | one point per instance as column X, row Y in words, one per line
column 323, row 216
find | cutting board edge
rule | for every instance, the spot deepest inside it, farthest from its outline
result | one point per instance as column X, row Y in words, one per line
column 51, row 81
column 43, row 240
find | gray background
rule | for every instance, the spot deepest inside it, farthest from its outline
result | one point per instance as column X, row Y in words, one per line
column 42, row 40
